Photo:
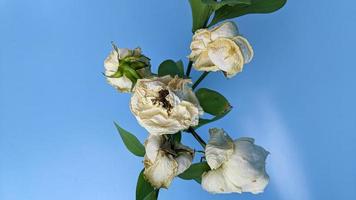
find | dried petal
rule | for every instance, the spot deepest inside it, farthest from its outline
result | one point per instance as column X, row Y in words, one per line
column 243, row 171
column 123, row 84
column 220, row 48
column 176, row 110
column 226, row 55
column 219, row 148
column 163, row 170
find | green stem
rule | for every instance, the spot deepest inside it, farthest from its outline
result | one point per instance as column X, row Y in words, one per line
column 189, row 69
column 197, row 137
column 157, row 193
column 199, row 80
column 203, row 152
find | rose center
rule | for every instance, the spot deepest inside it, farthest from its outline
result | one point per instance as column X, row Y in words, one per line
column 161, row 100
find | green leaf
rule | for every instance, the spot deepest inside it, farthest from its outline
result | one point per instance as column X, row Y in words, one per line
column 144, row 190
column 131, row 142
column 169, row 67
column 180, row 67
column 203, row 121
column 201, row 13
column 198, row 180
column 212, row 102
column 152, row 196
column 256, row 6
column 216, row 5
column 195, row 171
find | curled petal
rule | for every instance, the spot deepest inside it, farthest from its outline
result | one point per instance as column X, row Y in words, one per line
column 226, row 55
column 219, row 148
column 184, row 158
column 249, row 161
column 197, row 47
column 204, row 63
column 225, row 30
column 152, row 146
column 137, row 52
column 214, row 181
column 245, row 47
column 162, row 171
column 202, row 35
column 123, row 84
column 124, row 52
column 111, row 63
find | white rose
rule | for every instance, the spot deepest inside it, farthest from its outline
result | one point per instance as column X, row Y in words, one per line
column 220, row 48
column 165, row 105
column 164, row 160
column 237, row 166
column 124, row 66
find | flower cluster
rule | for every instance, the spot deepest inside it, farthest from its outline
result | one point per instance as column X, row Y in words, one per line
column 220, row 49
column 166, row 105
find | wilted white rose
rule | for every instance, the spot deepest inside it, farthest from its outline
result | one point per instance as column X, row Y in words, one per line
column 164, row 160
column 124, row 66
column 165, row 105
column 220, row 48
column 237, row 166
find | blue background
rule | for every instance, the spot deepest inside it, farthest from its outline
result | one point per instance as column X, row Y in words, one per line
column 57, row 140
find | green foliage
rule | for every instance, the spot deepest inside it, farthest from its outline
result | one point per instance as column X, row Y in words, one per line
column 180, row 67
column 216, row 5
column 144, row 190
column 195, row 171
column 201, row 13
column 230, row 11
column 169, row 67
column 212, row 102
column 202, row 121
column 131, row 142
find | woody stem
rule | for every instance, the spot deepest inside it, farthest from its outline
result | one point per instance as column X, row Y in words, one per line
column 199, row 80
column 189, row 69
column 197, row 137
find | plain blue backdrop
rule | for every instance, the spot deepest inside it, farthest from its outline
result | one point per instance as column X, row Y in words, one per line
column 57, row 139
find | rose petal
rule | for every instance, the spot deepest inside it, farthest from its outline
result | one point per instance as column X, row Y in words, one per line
column 249, row 161
column 219, row 148
column 204, row 63
column 225, row 30
column 156, row 118
column 111, row 63
column 214, row 181
column 245, row 47
column 184, row 158
column 123, row 84
column 162, row 172
column 152, row 146
column 226, row 55
column 202, row 35
column 124, row 52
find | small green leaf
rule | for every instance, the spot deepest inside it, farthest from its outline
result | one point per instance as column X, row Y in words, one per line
column 195, row 171
column 202, row 121
column 216, row 5
column 256, row 6
column 212, row 102
column 201, row 14
column 180, row 67
column 131, row 142
column 169, row 67
column 144, row 190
